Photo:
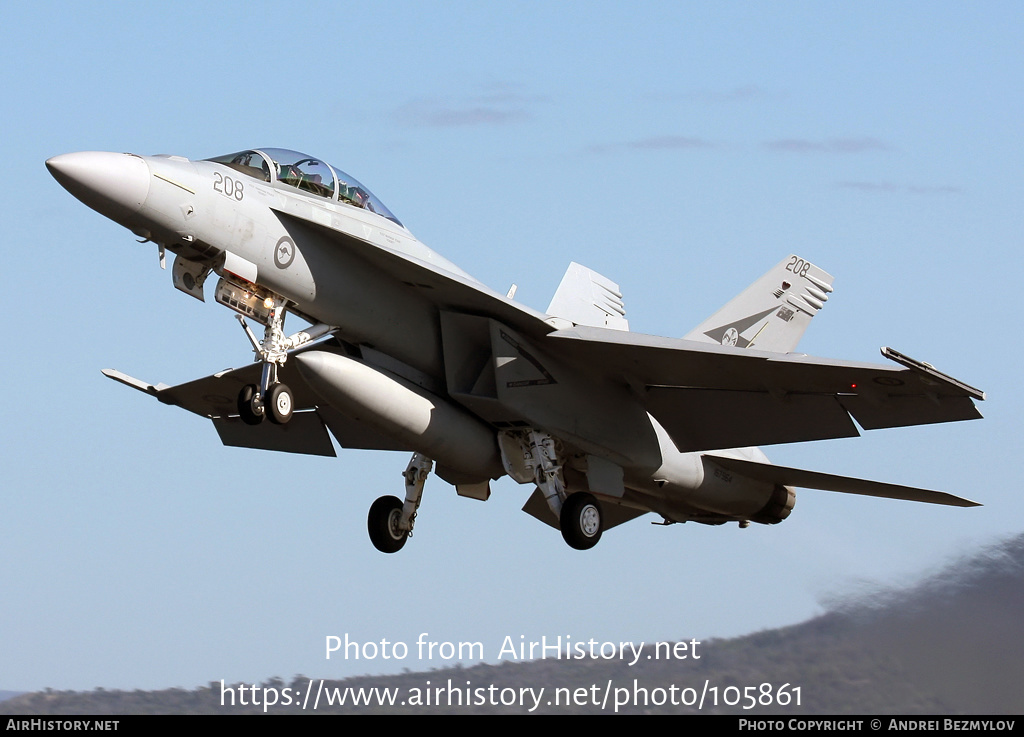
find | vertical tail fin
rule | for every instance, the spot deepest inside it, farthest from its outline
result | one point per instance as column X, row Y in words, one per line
column 773, row 312
column 584, row 297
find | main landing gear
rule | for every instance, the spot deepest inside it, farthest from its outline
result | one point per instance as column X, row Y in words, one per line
column 391, row 520
column 384, row 524
column 537, row 459
column 534, row 456
column 580, row 521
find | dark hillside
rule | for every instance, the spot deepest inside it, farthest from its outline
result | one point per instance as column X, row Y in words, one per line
column 952, row 644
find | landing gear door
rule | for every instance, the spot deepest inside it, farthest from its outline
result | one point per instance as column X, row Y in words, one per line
column 189, row 276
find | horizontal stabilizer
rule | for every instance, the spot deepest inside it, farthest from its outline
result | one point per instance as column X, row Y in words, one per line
column 828, row 482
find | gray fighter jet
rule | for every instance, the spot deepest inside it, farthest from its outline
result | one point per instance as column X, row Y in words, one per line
column 405, row 351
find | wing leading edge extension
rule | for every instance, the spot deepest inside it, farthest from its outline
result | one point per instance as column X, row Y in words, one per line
column 709, row 396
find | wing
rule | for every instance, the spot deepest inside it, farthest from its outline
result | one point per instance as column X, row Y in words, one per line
column 710, row 396
column 214, row 397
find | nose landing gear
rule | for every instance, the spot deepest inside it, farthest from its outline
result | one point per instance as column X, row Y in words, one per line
column 250, row 406
column 271, row 398
column 278, row 408
column 280, row 404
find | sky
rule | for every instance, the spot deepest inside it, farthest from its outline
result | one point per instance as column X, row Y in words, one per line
column 681, row 149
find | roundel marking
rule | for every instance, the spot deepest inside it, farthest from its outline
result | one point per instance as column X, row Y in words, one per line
column 284, row 252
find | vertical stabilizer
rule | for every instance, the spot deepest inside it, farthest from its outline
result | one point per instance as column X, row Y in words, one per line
column 587, row 298
column 773, row 312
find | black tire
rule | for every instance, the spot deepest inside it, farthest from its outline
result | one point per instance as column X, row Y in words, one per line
column 280, row 404
column 382, row 523
column 250, row 406
column 581, row 521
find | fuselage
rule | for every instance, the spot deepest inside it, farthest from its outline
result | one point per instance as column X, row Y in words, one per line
column 292, row 226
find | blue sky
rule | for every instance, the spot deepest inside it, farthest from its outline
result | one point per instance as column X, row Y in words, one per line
column 679, row 148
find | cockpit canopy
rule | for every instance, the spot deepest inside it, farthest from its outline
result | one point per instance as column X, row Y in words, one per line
column 306, row 173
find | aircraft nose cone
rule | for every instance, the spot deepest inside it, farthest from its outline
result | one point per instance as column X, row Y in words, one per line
column 115, row 185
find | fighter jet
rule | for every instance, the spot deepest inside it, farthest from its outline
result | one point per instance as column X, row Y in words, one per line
column 405, row 351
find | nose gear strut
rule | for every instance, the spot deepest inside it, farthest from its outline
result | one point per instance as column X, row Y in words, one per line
column 271, row 398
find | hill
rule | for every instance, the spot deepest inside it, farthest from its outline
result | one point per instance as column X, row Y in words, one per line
column 951, row 644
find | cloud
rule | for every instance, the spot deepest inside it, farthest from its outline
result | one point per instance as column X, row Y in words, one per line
column 430, row 114
column 652, row 143
column 498, row 104
column 830, row 145
column 742, row 93
column 892, row 187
